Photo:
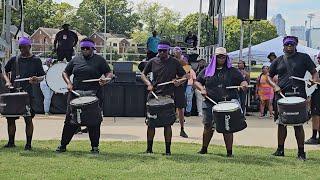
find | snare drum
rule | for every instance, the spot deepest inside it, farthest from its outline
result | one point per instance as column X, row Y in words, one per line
column 293, row 111
column 15, row 104
column 228, row 117
column 54, row 78
column 160, row 112
column 85, row 111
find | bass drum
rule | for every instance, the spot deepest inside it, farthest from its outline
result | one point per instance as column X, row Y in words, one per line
column 310, row 90
column 54, row 78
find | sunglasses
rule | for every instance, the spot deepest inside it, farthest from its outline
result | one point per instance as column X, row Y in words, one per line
column 162, row 50
column 85, row 48
column 289, row 44
column 221, row 56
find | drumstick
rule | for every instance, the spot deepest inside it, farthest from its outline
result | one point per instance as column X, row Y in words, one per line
column 306, row 80
column 75, row 93
column 95, row 80
column 209, row 98
column 282, row 95
column 236, row 87
column 154, row 94
column 170, row 82
column 26, row 79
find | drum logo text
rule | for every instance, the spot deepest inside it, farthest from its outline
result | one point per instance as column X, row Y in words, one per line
column 291, row 113
column 152, row 116
column 226, row 119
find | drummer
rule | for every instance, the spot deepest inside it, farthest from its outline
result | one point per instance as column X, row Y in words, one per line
column 293, row 63
column 86, row 66
column 212, row 82
column 29, row 66
column 164, row 69
column 315, row 112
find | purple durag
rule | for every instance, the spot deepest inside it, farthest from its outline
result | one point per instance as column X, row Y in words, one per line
column 87, row 44
column 211, row 69
column 24, row 41
column 290, row 40
column 163, row 47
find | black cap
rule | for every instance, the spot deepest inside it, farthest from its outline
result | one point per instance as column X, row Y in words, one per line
column 272, row 54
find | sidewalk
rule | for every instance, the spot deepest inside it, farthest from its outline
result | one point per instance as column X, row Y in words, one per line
column 260, row 132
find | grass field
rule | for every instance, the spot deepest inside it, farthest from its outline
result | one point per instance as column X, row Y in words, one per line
column 125, row 160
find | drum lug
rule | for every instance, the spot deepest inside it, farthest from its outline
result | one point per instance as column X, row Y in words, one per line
column 79, row 111
column 28, row 110
column 227, row 124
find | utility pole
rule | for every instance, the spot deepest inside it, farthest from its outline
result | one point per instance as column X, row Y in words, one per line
column 199, row 24
column 311, row 16
column 105, row 31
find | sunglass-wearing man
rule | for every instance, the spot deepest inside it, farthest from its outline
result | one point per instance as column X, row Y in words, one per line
column 86, row 66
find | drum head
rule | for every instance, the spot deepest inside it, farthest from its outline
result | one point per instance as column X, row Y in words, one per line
column 161, row 101
column 291, row 100
column 54, row 78
column 84, row 100
column 226, row 107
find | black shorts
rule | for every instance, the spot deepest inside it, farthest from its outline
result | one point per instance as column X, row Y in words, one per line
column 179, row 96
column 65, row 54
column 315, row 103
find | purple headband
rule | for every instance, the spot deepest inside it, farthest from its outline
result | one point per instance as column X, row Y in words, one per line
column 211, row 69
column 24, row 41
column 87, row 44
column 290, row 40
column 177, row 49
column 163, row 47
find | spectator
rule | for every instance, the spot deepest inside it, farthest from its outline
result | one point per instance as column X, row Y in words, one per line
column 152, row 45
column 272, row 56
column 191, row 39
column 199, row 97
column 264, row 91
column 46, row 91
column 246, row 76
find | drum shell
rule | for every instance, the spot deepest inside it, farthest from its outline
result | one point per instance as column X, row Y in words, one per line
column 12, row 104
column 161, row 115
column 293, row 114
column 229, row 122
column 90, row 113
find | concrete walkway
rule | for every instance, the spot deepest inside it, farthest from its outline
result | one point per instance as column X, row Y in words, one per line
column 260, row 132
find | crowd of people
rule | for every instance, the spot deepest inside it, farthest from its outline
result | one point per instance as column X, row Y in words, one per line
column 208, row 82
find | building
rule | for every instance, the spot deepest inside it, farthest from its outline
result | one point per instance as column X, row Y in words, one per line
column 43, row 39
column 298, row 31
column 280, row 24
column 314, row 38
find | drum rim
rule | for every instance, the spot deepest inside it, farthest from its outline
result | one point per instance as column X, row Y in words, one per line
column 284, row 103
column 92, row 102
column 229, row 110
column 14, row 93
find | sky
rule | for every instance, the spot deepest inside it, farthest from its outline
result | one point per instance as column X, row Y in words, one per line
column 293, row 11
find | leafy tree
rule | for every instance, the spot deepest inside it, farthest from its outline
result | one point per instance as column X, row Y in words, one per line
column 140, row 37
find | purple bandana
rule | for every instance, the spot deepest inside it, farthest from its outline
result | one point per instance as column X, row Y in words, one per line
column 211, row 69
column 163, row 47
column 24, row 41
column 290, row 40
column 87, row 44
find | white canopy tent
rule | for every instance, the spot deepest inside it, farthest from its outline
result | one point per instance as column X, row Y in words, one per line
column 260, row 52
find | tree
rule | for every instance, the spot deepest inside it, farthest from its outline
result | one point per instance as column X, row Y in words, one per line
column 190, row 23
column 120, row 17
column 140, row 37
column 261, row 31
column 149, row 14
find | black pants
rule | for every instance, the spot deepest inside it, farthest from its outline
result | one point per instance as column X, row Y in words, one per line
column 64, row 54
column 70, row 129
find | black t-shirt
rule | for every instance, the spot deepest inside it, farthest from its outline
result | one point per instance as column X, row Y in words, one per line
column 215, row 85
column 192, row 40
column 299, row 64
column 28, row 67
column 66, row 40
column 164, row 71
column 84, row 69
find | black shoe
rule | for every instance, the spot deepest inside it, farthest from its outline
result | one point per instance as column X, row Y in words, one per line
column 167, row 154
column 202, row 151
column 27, row 147
column 9, row 145
column 85, row 130
column 229, row 155
column 279, row 153
column 61, row 149
column 187, row 114
column 312, row 141
column 183, row 134
column 148, row 152
column 302, row 156
column 95, row 150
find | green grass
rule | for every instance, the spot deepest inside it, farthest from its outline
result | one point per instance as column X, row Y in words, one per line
column 124, row 160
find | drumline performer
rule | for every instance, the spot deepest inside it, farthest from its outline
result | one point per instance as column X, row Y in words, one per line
column 293, row 63
column 28, row 66
column 86, row 66
column 211, row 82
column 164, row 69
column 315, row 112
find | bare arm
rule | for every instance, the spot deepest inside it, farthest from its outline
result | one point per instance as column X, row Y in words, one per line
column 146, row 81
column 273, row 84
column 66, row 78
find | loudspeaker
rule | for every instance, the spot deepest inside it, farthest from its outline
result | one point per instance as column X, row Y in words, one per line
column 243, row 9
column 125, row 77
column 135, row 100
column 260, row 9
column 113, row 102
column 123, row 66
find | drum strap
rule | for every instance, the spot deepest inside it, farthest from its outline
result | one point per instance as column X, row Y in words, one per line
column 285, row 82
column 17, row 72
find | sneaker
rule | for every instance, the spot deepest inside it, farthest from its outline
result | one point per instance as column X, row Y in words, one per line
column 183, row 134
column 167, row 154
column 279, row 153
column 200, row 114
column 187, row 114
column 312, row 141
column 9, row 145
column 61, row 149
column 95, row 150
column 148, row 152
column 202, row 151
column 229, row 155
column 302, row 156
column 27, row 147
